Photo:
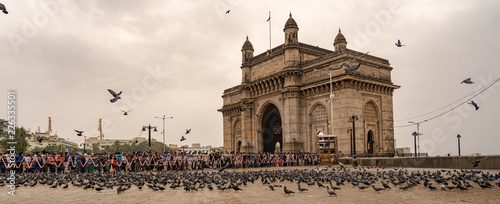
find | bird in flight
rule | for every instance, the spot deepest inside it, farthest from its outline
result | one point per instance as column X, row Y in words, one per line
column 188, row 131
column 183, row 138
column 40, row 139
column 79, row 132
column 115, row 96
column 476, row 163
column 125, row 112
column 399, row 43
column 3, row 9
column 467, row 81
column 227, row 12
column 351, row 67
column 474, row 104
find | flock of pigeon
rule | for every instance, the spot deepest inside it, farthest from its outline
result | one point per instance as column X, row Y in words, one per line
column 331, row 179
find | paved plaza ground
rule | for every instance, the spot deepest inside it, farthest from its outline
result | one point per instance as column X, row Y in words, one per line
column 257, row 193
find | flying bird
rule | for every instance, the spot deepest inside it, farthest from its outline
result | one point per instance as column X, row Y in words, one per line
column 399, row 43
column 39, row 139
column 474, row 104
column 351, row 66
column 125, row 112
column 476, row 163
column 2, row 7
column 79, row 132
column 188, row 131
column 115, row 96
column 227, row 12
column 183, row 138
column 467, row 81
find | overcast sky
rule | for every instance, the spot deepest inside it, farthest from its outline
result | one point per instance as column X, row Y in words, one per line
column 175, row 58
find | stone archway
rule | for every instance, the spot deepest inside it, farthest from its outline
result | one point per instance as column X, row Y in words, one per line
column 271, row 129
column 236, row 139
column 371, row 123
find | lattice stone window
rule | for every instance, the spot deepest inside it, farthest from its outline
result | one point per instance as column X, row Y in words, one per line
column 319, row 114
column 370, row 111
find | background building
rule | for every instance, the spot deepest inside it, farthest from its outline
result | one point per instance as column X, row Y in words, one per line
column 109, row 142
column 44, row 139
column 284, row 99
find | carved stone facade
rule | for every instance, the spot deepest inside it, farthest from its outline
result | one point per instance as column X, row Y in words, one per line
column 284, row 98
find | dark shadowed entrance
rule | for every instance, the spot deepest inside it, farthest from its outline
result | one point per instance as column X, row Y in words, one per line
column 271, row 129
column 369, row 141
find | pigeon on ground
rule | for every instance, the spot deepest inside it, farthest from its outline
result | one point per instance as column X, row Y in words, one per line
column 301, row 189
column 377, row 188
column 115, row 96
column 3, row 9
column 474, row 104
column 361, row 187
column 330, row 192
column 79, row 132
column 270, row 187
column 399, row 43
column 467, row 81
column 287, row 191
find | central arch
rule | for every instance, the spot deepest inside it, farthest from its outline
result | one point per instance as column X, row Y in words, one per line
column 272, row 129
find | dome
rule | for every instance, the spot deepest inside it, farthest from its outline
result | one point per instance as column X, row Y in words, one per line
column 247, row 45
column 340, row 38
column 290, row 23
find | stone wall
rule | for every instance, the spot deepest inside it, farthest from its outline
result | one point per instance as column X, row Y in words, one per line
column 453, row 162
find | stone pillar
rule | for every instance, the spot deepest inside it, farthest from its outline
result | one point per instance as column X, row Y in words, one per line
column 291, row 120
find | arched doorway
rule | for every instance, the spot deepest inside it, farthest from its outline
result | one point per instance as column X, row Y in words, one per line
column 369, row 142
column 236, row 139
column 271, row 129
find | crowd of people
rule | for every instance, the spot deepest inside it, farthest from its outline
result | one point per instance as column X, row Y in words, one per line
column 149, row 161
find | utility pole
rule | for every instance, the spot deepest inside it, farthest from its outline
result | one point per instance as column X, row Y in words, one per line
column 458, row 137
column 417, row 146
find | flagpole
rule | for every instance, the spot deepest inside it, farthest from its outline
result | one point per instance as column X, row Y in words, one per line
column 269, row 31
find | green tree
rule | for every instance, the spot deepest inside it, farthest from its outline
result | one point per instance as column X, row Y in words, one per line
column 55, row 148
column 19, row 137
column 36, row 149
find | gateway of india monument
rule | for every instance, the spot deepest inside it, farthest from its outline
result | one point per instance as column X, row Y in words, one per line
column 283, row 103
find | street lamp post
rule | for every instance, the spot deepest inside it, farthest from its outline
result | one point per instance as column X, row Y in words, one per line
column 83, row 144
column 458, row 137
column 331, row 102
column 353, row 120
column 164, row 129
column 149, row 127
